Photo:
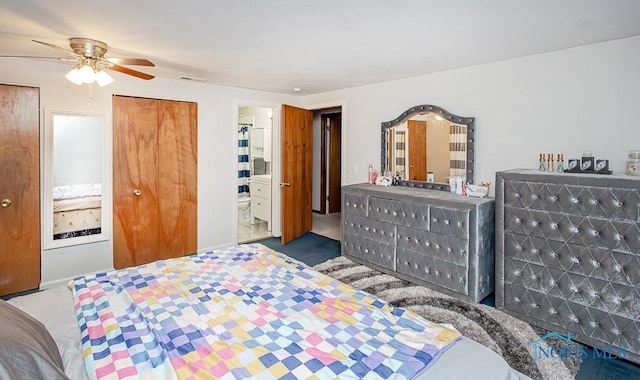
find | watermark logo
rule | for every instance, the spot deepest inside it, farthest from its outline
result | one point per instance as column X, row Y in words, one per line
column 562, row 347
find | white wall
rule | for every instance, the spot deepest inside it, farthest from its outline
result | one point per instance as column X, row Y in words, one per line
column 217, row 148
column 578, row 99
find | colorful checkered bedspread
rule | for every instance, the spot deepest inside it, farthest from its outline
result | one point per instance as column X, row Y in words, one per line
column 245, row 312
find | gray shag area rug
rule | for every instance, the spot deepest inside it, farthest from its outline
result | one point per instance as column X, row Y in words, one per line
column 510, row 337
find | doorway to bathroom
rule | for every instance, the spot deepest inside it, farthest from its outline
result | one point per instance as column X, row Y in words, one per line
column 255, row 126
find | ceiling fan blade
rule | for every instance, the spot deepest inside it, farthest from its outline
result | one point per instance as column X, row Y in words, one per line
column 135, row 73
column 35, row 57
column 130, row 61
column 66, row 51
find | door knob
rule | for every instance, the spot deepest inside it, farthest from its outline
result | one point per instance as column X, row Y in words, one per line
column 5, row 203
column 137, row 192
column 285, row 184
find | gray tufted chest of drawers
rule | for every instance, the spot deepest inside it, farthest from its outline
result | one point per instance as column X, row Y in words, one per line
column 568, row 255
column 432, row 238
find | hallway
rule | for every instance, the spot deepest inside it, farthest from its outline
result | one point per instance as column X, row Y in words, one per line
column 327, row 225
column 323, row 224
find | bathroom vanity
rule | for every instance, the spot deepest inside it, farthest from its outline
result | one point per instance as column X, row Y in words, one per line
column 433, row 238
column 261, row 198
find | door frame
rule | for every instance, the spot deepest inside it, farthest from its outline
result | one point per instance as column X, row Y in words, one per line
column 343, row 136
column 326, row 158
column 276, row 199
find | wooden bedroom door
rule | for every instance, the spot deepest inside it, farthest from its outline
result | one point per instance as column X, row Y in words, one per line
column 19, row 188
column 297, row 172
column 417, row 150
column 155, row 179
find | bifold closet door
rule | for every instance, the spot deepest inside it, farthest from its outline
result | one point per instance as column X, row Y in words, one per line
column 135, row 181
column 155, row 179
column 19, row 188
column 178, row 178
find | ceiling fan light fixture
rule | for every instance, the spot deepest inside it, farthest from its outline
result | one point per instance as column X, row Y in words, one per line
column 85, row 73
column 75, row 76
column 102, row 78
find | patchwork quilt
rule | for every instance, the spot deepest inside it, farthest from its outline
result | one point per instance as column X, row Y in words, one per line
column 245, row 312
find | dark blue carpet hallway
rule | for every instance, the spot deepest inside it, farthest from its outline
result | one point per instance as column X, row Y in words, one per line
column 310, row 248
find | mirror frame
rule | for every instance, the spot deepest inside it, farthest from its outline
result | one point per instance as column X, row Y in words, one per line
column 468, row 121
column 47, row 187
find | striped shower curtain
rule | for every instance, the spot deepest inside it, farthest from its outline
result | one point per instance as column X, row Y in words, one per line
column 244, row 168
column 458, row 150
column 400, row 153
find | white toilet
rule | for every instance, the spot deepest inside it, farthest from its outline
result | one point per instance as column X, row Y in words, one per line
column 244, row 210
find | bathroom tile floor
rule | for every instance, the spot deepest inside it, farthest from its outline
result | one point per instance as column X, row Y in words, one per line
column 323, row 224
column 250, row 232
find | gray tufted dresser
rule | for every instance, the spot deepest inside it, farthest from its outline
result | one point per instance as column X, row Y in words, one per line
column 567, row 255
column 433, row 238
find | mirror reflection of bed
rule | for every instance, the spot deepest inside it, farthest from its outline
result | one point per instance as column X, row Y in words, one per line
column 77, row 210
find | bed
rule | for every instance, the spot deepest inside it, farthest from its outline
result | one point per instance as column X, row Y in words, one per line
column 241, row 312
column 77, row 210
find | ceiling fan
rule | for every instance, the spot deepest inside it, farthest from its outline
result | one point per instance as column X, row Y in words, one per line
column 91, row 61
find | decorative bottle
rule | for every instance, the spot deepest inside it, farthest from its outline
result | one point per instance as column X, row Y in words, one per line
column 550, row 165
column 633, row 163
column 560, row 163
column 371, row 175
column 543, row 164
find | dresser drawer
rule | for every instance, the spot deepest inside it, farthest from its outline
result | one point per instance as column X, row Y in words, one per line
column 610, row 234
column 443, row 247
column 355, row 204
column 433, row 270
column 402, row 213
column 596, row 202
column 379, row 253
column 370, row 229
column 450, row 222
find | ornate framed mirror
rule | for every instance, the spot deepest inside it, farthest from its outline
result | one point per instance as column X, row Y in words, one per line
column 426, row 145
column 76, row 180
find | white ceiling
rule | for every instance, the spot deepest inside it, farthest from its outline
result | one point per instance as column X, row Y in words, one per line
column 315, row 45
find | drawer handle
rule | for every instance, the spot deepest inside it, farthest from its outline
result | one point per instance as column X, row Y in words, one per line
column 6, row 203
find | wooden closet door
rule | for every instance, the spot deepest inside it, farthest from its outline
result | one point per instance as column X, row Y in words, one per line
column 19, row 188
column 178, row 178
column 135, row 168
